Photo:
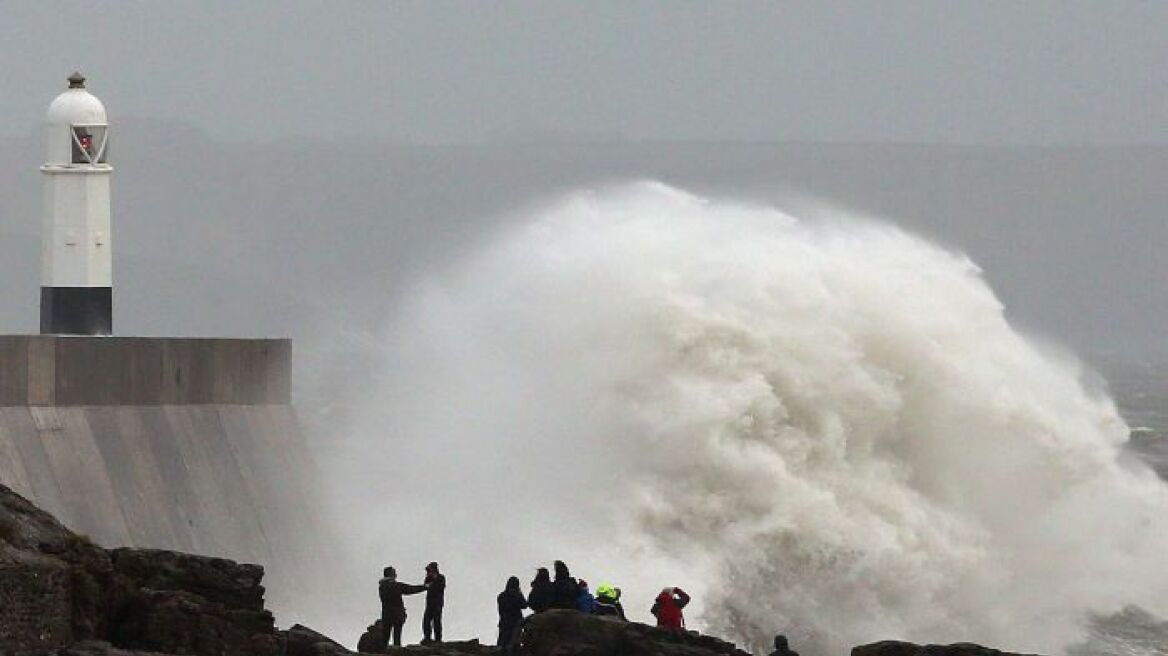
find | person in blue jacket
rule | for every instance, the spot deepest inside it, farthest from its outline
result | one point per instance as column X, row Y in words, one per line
column 584, row 600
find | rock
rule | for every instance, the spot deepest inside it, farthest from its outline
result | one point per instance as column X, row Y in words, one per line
column 185, row 604
column 182, row 622
column 214, row 579
column 97, row 648
column 303, row 641
column 452, row 648
column 60, row 593
column 569, row 633
column 54, row 584
column 896, row 648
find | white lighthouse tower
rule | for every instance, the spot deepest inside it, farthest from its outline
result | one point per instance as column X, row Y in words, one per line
column 76, row 259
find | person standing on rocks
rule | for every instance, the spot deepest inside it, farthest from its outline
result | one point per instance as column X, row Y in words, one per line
column 511, row 605
column 781, row 647
column 565, row 588
column 584, row 598
column 542, row 591
column 608, row 602
column 668, row 607
column 373, row 640
column 393, row 607
column 435, row 599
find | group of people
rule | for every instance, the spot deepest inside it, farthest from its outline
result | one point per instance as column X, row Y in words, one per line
column 568, row 593
column 393, row 610
column 546, row 593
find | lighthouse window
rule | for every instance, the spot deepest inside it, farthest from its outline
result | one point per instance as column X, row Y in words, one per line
column 89, row 145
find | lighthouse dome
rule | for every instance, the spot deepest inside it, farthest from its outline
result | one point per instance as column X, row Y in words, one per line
column 76, row 124
column 76, row 106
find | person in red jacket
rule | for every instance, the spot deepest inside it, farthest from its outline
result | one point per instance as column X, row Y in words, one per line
column 668, row 607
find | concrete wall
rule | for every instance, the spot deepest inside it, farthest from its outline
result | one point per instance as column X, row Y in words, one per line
column 167, row 443
column 42, row 370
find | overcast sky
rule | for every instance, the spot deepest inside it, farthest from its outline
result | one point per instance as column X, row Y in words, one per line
column 956, row 72
column 1071, row 238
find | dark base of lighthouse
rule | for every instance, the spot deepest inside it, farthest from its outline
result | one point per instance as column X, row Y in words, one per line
column 77, row 311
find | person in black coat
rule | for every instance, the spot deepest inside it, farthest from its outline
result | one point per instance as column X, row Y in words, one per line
column 393, row 608
column 781, row 647
column 435, row 600
column 373, row 640
column 542, row 591
column 565, row 588
column 511, row 605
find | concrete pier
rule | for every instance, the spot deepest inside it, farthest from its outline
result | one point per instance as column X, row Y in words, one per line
column 50, row 370
column 187, row 444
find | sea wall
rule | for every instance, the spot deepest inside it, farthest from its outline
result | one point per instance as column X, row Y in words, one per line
column 184, row 444
column 46, row 370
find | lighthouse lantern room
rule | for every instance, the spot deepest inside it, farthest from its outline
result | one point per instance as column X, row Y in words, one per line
column 76, row 258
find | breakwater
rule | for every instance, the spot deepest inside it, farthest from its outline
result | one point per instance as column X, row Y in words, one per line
column 185, row 444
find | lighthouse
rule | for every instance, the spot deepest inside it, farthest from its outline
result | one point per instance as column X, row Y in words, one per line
column 115, row 428
column 76, row 258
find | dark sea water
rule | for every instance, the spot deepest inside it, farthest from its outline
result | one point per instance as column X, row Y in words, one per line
column 1140, row 388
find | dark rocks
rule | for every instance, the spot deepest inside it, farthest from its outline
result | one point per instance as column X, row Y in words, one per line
column 214, row 579
column 54, row 584
column 569, row 633
column 181, row 622
column 452, row 648
column 97, row 648
column 60, row 593
column 303, row 641
column 895, row 648
column 183, row 604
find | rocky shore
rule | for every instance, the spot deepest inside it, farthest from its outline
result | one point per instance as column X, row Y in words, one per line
column 62, row 595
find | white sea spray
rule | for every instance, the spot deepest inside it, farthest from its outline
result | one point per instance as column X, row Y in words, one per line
column 823, row 428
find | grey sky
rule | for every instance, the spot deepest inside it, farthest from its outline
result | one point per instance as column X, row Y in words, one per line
column 265, row 99
column 954, row 72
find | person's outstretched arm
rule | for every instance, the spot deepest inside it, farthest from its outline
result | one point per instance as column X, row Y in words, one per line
column 408, row 589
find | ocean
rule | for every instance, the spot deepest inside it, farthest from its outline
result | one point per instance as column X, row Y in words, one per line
column 1139, row 386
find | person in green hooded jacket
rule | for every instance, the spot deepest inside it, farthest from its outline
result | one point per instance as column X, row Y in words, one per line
column 608, row 603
